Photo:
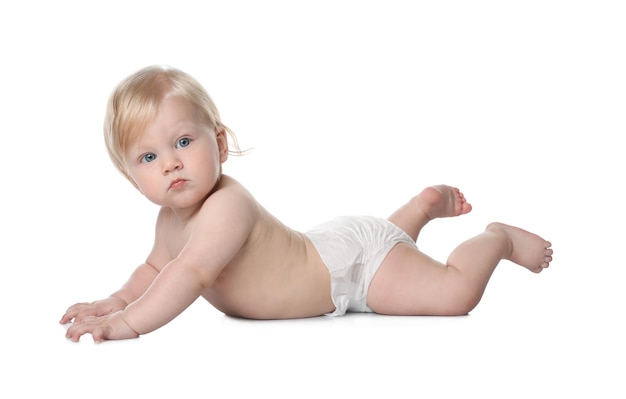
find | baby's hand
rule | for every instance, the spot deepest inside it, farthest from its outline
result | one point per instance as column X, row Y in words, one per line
column 80, row 311
column 112, row 326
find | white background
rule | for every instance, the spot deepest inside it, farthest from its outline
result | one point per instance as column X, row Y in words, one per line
column 351, row 108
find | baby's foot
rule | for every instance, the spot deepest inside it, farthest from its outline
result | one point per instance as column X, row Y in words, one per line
column 442, row 201
column 525, row 249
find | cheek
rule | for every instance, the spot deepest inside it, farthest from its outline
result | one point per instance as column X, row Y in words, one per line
column 137, row 186
column 137, row 179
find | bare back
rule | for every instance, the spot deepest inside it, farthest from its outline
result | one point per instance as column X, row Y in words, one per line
column 276, row 273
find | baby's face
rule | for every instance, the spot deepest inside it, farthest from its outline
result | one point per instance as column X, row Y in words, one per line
column 177, row 160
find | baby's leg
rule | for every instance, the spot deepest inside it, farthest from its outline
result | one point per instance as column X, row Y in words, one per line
column 433, row 202
column 411, row 283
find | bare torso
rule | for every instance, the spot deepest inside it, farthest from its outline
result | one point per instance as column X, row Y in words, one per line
column 277, row 272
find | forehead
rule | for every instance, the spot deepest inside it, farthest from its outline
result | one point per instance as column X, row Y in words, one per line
column 172, row 115
column 174, row 110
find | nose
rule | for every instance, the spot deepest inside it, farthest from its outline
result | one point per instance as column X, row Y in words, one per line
column 171, row 163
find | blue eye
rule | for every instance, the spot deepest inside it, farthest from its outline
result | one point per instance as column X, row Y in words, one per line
column 149, row 157
column 184, row 142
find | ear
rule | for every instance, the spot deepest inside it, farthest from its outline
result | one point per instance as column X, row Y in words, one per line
column 222, row 144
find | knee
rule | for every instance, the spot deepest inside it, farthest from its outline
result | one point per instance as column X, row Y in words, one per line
column 460, row 304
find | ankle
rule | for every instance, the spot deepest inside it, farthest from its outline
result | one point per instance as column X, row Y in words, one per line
column 418, row 206
column 499, row 232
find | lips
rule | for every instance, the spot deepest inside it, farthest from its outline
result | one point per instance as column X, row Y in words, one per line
column 178, row 183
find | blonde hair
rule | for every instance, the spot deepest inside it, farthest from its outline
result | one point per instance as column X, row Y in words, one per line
column 135, row 102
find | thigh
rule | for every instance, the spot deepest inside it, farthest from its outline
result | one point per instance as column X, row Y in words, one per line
column 410, row 282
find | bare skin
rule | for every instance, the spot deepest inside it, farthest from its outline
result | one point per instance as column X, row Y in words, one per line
column 275, row 273
column 433, row 202
column 410, row 282
column 214, row 240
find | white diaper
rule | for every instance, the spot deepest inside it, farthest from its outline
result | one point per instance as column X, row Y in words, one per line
column 353, row 248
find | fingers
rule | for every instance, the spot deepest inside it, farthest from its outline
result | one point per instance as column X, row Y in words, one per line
column 78, row 312
column 102, row 328
column 101, row 333
column 102, row 307
column 71, row 312
column 76, row 330
column 90, row 325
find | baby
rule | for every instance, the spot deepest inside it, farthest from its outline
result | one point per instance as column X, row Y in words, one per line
column 214, row 240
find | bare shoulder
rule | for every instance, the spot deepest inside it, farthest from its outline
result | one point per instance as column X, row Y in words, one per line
column 225, row 220
column 222, row 223
column 230, row 200
column 217, row 232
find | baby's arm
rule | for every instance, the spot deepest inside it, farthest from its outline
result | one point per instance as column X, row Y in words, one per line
column 136, row 285
column 222, row 226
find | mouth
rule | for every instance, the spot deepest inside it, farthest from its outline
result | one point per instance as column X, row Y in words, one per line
column 178, row 183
